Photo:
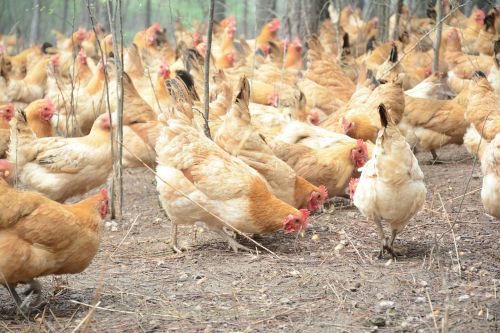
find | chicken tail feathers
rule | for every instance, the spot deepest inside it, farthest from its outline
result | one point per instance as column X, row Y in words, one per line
column 383, row 115
column 243, row 96
column 393, row 57
column 496, row 48
column 189, row 82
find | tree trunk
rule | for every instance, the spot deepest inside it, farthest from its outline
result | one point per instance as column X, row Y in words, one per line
column 219, row 10
column 265, row 11
column 35, row 24
column 245, row 18
column 147, row 17
column 64, row 16
column 312, row 13
column 85, row 18
column 399, row 6
column 206, row 73
column 439, row 30
column 383, row 18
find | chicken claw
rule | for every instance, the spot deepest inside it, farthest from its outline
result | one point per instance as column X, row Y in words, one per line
column 232, row 242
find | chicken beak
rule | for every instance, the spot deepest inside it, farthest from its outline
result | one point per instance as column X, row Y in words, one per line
column 6, row 173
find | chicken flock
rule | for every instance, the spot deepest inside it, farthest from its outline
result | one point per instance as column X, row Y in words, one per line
column 288, row 129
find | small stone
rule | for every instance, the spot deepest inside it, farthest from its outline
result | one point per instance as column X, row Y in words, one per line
column 378, row 321
column 420, row 300
column 111, row 226
column 285, row 301
column 315, row 237
column 463, row 298
column 183, row 277
column 384, row 305
column 197, row 308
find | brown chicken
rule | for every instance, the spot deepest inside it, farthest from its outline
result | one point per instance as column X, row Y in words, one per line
column 429, row 124
column 61, row 167
column 198, row 181
column 320, row 156
column 6, row 114
column 239, row 138
column 40, row 237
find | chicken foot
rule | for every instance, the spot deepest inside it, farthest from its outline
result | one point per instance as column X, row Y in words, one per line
column 35, row 288
column 386, row 243
column 232, row 242
column 173, row 239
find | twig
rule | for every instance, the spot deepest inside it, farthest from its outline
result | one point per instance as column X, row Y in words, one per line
column 452, row 234
column 432, row 311
column 207, row 67
column 126, row 235
column 87, row 317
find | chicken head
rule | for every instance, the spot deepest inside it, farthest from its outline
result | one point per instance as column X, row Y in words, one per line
column 295, row 222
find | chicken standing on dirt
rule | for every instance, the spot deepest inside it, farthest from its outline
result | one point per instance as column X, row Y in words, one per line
column 200, row 182
column 391, row 187
column 61, row 167
column 490, row 166
column 239, row 138
column 40, row 237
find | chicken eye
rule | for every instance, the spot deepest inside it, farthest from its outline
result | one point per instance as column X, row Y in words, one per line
column 297, row 220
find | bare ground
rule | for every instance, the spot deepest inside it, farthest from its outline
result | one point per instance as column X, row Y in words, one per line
column 330, row 282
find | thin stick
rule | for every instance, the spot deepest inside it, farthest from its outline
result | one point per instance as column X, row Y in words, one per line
column 439, row 30
column 207, row 67
column 116, row 24
column 87, row 317
column 126, row 235
column 432, row 311
column 452, row 234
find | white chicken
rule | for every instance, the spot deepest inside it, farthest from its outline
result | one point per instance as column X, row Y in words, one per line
column 391, row 187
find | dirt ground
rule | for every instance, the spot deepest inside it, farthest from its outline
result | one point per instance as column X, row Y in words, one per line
column 332, row 282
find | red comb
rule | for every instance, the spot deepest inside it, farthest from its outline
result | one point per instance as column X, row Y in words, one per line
column 323, row 190
column 104, row 193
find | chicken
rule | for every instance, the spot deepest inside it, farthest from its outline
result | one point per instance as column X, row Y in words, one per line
column 32, row 87
column 198, row 181
column 38, row 114
column 434, row 87
column 6, row 114
column 391, row 187
column 60, row 167
column 40, row 237
column 490, row 166
column 320, row 156
column 76, row 115
column 483, row 110
column 239, row 138
column 429, row 124
column 359, row 120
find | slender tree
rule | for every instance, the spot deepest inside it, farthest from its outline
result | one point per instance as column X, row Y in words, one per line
column 64, row 16
column 207, row 66
column 265, row 10
column 147, row 12
column 219, row 10
column 35, row 23
column 439, row 30
column 399, row 7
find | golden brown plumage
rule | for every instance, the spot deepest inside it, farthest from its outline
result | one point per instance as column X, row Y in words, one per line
column 40, row 237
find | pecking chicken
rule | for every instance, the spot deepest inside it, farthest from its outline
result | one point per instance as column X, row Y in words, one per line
column 240, row 139
column 40, row 237
column 198, row 181
column 391, row 187
column 320, row 156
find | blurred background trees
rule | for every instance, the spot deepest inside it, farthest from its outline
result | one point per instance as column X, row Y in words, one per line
column 34, row 20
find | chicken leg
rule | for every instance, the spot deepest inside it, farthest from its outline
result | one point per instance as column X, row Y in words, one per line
column 173, row 239
column 24, row 306
column 232, row 242
column 386, row 244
